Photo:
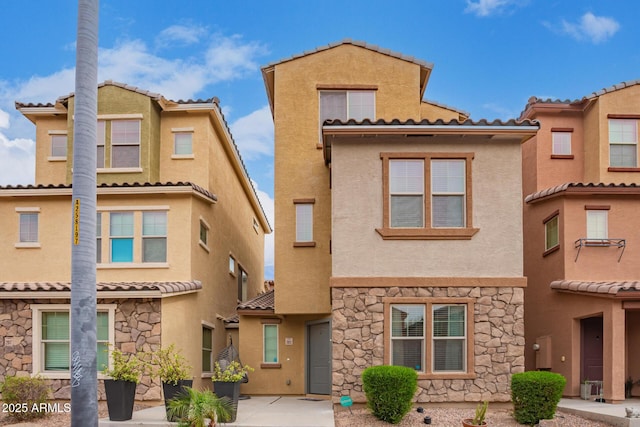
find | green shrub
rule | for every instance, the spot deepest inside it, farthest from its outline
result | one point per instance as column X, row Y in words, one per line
column 20, row 394
column 535, row 395
column 389, row 391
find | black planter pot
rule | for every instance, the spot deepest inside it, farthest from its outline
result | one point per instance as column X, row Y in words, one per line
column 170, row 391
column 120, row 398
column 230, row 390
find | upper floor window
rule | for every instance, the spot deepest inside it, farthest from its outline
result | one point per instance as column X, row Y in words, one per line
column 154, row 236
column 345, row 105
column 28, row 227
column 623, row 143
column 551, row 232
column 121, row 236
column 561, row 143
column 203, row 239
column 100, row 143
column 98, row 237
column 597, row 224
column 427, row 195
column 59, row 146
column 304, row 221
column 182, row 143
column 125, row 143
column 207, row 349
column 131, row 243
column 243, row 283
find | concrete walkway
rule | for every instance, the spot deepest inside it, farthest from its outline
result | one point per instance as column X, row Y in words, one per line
column 258, row 411
column 606, row 412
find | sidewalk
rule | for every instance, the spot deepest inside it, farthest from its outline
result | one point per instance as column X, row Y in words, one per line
column 258, row 411
column 597, row 411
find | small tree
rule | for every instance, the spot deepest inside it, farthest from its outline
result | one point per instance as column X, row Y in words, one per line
column 389, row 391
column 535, row 395
column 19, row 394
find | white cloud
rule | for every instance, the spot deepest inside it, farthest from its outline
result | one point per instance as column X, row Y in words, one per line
column 181, row 35
column 221, row 58
column 487, row 7
column 594, row 28
column 253, row 134
column 267, row 204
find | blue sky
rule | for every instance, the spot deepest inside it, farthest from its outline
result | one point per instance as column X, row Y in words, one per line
column 489, row 56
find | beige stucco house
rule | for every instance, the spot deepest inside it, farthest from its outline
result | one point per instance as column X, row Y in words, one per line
column 581, row 182
column 399, row 235
column 180, row 236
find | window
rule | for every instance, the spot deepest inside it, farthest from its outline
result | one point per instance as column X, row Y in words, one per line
column 98, row 237
column 182, row 143
column 51, row 338
column 304, row 221
column 430, row 335
column 59, row 146
column 154, row 237
column 121, row 236
column 207, row 349
column 125, row 143
column 597, row 224
column 407, row 336
column 232, row 265
column 100, row 143
column 270, row 343
column 449, row 338
column 344, row 105
column 427, row 196
column 561, row 143
column 29, row 227
column 243, row 281
column 204, row 235
column 551, row 232
column 623, row 142
column 406, row 191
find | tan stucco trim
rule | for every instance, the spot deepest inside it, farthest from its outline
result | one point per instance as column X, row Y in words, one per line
column 320, row 86
column 428, row 303
column 388, row 282
column 110, row 294
column 255, row 312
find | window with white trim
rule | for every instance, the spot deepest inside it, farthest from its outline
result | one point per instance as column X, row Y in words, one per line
column 98, row 237
column 623, row 143
column 449, row 338
column 408, row 336
column 270, row 343
column 561, row 143
column 597, row 224
column 29, row 227
column 406, row 192
column 100, row 143
column 304, row 222
column 203, row 236
column 52, row 338
column 125, row 143
column 121, row 236
column 448, row 193
column 59, row 146
column 154, row 236
column 232, row 265
column 183, row 143
column 345, row 105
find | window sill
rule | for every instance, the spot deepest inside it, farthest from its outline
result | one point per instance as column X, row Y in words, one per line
column 204, row 246
column 119, row 170
column 550, row 251
column 562, row 156
column 270, row 365
column 618, row 169
column 120, row 265
column 427, row 233
column 182, row 156
column 28, row 245
column 304, row 244
column 56, row 159
column 207, row 375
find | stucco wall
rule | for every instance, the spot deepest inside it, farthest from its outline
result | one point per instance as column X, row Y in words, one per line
column 358, row 250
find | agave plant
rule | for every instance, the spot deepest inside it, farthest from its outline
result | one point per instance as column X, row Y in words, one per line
column 200, row 408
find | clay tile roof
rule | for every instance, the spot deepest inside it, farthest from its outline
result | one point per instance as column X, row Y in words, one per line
column 602, row 288
column 162, row 288
column 580, row 187
column 263, row 301
column 425, row 122
column 362, row 44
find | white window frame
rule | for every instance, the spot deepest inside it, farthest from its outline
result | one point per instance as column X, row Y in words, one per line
column 422, row 338
column 304, row 222
column 349, row 103
column 154, row 236
column 232, row 265
column 633, row 141
column 126, row 143
column 28, row 243
column 58, row 139
column 177, row 132
column 204, row 225
column 101, row 142
column 561, row 143
column 418, row 193
column 462, row 194
column 37, row 347
column 597, row 224
column 264, row 342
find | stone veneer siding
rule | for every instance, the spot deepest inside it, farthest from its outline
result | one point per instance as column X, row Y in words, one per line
column 358, row 341
column 137, row 328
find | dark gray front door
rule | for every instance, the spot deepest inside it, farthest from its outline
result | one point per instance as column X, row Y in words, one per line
column 319, row 358
column 592, row 359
